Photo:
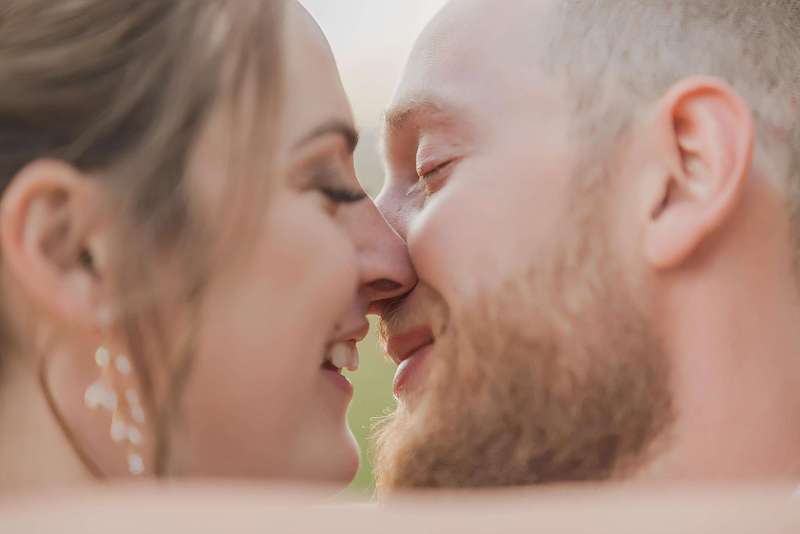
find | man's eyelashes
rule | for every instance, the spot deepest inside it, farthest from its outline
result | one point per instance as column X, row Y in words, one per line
column 432, row 171
column 432, row 179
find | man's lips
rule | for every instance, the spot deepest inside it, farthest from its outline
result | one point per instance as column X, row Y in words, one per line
column 403, row 346
column 409, row 351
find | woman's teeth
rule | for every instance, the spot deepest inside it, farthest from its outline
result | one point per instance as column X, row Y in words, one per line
column 343, row 355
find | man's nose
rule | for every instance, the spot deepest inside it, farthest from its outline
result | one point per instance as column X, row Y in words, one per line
column 386, row 270
column 392, row 211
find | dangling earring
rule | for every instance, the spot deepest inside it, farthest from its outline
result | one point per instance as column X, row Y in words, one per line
column 127, row 414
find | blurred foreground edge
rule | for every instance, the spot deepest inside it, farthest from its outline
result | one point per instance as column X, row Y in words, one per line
column 243, row 509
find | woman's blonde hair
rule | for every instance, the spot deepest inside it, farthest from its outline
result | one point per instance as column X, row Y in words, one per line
column 121, row 90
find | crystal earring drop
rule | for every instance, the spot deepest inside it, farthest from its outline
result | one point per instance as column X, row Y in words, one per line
column 126, row 412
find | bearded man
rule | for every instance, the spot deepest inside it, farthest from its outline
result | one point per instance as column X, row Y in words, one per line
column 602, row 202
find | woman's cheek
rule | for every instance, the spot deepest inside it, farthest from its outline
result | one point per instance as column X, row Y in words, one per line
column 336, row 264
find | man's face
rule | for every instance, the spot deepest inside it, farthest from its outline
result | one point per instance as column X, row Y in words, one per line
column 525, row 357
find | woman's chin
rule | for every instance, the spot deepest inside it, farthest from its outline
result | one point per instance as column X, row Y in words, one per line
column 329, row 459
column 341, row 466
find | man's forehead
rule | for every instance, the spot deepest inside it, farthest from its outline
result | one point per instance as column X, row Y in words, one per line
column 498, row 27
column 473, row 61
column 470, row 46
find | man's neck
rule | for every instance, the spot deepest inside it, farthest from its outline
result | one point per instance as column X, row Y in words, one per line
column 735, row 347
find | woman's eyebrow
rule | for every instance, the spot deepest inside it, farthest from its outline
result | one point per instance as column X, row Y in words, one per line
column 333, row 127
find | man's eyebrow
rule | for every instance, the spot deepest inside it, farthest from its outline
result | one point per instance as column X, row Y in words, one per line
column 410, row 111
column 333, row 127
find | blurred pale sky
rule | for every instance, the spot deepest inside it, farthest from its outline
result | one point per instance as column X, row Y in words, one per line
column 371, row 40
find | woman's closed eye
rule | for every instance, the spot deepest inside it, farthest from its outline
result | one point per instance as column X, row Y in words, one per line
column 343, row 195
column 329, row 180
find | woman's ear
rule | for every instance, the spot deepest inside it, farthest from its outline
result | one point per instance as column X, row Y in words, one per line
column 705, row 135
column 54, row 238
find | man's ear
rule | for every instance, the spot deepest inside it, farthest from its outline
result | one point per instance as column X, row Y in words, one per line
column 53, row 241
column 705, row 137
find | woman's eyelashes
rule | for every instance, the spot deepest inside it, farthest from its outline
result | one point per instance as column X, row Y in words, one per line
column 343, row 195
column 330, row 181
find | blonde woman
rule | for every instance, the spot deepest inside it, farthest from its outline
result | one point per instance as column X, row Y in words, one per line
column 186, row 255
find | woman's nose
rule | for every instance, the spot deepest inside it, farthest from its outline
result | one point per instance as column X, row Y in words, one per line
column 386, row 269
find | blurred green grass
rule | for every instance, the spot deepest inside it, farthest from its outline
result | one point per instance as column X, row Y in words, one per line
column 373, row 398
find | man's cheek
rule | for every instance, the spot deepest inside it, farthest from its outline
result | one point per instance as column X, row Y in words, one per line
column 454, row 248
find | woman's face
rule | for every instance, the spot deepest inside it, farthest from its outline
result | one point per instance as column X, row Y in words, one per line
column 263, row 398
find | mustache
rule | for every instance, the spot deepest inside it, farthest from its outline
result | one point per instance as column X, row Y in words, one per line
column 397, row 316
column 393, row 317
column 424, row 306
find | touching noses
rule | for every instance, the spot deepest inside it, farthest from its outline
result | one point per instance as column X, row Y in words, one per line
column 384, row 264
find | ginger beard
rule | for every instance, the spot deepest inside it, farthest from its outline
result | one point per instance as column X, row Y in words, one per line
column 554, row 377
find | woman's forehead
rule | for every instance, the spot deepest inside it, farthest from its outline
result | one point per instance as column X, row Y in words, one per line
column 314, row 93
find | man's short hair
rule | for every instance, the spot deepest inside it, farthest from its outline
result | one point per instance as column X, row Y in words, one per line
column 619, row 54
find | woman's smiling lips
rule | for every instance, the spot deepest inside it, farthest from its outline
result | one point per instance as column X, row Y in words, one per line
column 409, row 350
column 338, row 379
column 341, row 354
